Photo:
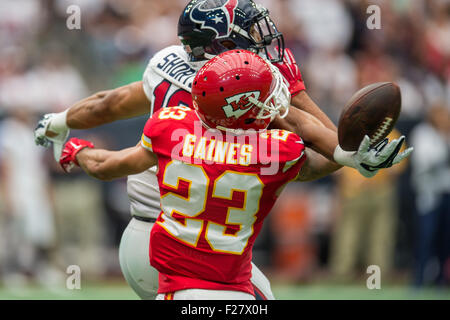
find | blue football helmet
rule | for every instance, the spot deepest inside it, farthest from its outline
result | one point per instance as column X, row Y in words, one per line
column 207, row 28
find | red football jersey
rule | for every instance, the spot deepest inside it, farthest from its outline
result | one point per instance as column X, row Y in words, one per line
column 216, row 189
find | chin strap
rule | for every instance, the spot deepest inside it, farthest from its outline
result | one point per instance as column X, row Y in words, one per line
column 279, row 99
column 239, row 30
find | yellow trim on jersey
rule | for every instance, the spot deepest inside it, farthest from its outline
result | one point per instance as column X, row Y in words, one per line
column 146, row 142
column 290, row 164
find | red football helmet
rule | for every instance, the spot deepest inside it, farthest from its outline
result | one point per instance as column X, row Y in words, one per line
column 239, row 90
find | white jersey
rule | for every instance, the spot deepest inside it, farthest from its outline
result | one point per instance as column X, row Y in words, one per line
column 167, row 82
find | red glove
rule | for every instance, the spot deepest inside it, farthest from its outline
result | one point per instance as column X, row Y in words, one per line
column 68, row 156
column 291, row 72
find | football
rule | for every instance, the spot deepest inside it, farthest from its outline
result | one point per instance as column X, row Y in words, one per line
column 371, row 111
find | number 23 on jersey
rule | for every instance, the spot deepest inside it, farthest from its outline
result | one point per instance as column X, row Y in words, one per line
column 194, row 204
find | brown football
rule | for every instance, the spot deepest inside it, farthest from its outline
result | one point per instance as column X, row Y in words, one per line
column 372, row 111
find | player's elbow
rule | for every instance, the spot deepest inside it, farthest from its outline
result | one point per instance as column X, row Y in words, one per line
column 310, row 174
column 306, row 175
column 101, row 171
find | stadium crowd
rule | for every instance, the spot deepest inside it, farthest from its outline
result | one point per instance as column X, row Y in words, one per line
column 335, row 227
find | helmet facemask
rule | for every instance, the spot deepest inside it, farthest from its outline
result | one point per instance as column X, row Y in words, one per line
column 279, row 100
column 266, row 38
column 263, row 38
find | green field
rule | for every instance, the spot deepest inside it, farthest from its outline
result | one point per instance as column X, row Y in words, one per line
column 120, row 291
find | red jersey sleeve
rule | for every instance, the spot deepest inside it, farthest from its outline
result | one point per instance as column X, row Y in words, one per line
column 295, row 152
column 151, row 130
column 291, row 151
column 160, row 125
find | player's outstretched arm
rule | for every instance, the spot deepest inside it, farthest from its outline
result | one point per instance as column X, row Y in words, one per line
column 316, row 166
column 104, row 164
column 319, row 140
column 367, row 160
column 100, row 108
column 314, row 133
column 107, row 106
column 108, row 165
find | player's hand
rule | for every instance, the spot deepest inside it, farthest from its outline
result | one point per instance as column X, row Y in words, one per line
column 291, row 72
column 369, row 160
column 383, row 155
column 59, row 135
column 68, row 157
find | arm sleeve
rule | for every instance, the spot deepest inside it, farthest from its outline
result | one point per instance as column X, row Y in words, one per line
column 153, row 129
column 293, row 153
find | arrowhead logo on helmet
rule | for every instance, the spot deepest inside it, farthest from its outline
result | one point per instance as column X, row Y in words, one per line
column 239, row 104
column 218, row 19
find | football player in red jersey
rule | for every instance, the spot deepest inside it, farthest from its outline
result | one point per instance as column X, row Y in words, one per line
column 214, row 196
column 220, row 172
column 167, row 81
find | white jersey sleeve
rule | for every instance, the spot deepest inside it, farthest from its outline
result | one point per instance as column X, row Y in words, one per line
column 167, row 82
column 168, row 78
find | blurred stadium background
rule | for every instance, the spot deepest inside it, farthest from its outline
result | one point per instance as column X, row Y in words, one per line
column 321, row 237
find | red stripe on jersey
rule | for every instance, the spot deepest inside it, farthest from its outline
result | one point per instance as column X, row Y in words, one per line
column 259, row 292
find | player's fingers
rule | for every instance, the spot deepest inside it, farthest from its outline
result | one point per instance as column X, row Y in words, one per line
column 392, row 148
column 67, row 167
column 370, row 174
column 387, row 151
column 65, row 163
column 380, row 145
column 401, row 140
column 42, row 141
column 405, row 154
column 365, row 144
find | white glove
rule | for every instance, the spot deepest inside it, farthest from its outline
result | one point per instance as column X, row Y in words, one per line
column 56, row 123
column 369, row 160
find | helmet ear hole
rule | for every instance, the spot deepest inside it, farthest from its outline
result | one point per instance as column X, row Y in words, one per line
column 221, row 89
column 238, row 78
column 204, row 93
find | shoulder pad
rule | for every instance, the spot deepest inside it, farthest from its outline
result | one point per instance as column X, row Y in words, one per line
column 172, row 63
column 290, row 146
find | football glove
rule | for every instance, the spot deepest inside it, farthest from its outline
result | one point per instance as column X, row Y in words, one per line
column 68, row 157
column 54, row 122
column 291, row 73
column 368, row 160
